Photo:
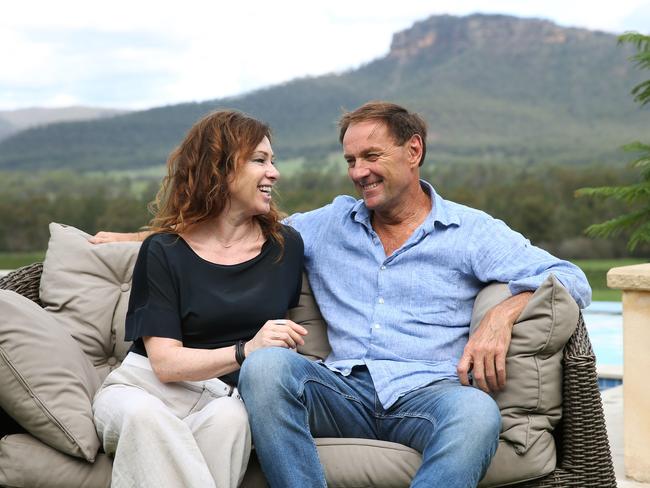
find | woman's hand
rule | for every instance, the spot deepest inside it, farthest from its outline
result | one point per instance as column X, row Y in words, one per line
column 279, row 333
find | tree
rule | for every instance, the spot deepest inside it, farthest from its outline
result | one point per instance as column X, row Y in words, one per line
column 636, row 195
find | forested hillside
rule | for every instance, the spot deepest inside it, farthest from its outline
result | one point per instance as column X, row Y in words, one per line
column 537, row 201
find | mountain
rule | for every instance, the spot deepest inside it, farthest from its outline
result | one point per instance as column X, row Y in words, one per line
column 492, row 87
column 12, row 121
column 6, row 128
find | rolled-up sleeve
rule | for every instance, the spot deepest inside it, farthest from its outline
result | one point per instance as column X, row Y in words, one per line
column 153, row 305
column 501, row 254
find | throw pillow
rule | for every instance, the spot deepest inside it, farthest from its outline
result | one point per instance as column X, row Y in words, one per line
column 87, row 286
column 46, row 382
column 531, row 402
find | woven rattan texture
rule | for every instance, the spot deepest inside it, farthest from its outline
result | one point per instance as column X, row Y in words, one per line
column 584, row 458
column 24, row 281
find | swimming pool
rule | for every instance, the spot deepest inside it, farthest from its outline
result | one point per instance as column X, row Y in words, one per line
column 604, row 322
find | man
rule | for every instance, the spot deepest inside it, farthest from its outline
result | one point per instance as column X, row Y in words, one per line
column 395, row 276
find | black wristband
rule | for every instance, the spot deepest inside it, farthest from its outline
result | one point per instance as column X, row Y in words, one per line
column 240, row 354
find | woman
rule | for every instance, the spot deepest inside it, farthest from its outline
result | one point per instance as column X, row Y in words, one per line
column 210, row 286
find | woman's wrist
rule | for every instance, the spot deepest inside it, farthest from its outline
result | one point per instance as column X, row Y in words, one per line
column 240, row 352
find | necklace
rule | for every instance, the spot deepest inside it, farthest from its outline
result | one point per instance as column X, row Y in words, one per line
column 232, row 243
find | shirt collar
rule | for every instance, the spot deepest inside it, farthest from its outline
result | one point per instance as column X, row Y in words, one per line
column 441, row 211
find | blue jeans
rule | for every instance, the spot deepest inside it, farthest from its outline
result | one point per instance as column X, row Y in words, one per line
column 291, row 399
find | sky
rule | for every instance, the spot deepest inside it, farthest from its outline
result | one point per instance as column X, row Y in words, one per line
column 139, row 54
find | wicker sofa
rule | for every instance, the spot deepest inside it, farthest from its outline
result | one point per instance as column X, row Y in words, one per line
column 579, row 437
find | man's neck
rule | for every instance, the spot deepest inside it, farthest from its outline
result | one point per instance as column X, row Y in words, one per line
column 395, row 226
column 412, row 210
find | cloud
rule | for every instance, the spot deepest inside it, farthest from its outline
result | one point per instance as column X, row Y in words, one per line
column 638, row 20
column 137, row 54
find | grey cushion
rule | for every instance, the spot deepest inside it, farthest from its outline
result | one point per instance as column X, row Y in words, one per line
column 26, row 462
column 307, row 314
column 46, row 382
column 355, row 463
column 87, row 288
column 366, row 462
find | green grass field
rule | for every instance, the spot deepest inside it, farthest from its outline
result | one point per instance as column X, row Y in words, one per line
column 595, row 269
column 13, row 260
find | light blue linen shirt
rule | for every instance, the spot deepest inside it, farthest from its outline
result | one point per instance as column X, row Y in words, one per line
column 406, row 316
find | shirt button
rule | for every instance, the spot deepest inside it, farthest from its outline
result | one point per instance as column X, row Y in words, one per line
column 381, row 300
column 377, row 326
column 383, row 268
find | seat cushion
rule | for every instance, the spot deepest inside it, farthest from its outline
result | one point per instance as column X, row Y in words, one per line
column 366, row 462
column 25, row 462
column 355, row 463
column 46, row 382
column 86, row 287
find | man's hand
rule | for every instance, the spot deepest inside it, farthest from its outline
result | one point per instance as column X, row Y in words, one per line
column 104, row 237
column 485, row 352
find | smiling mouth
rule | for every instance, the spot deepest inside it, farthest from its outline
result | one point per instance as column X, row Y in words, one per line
column 265, row 189
column 370, row 186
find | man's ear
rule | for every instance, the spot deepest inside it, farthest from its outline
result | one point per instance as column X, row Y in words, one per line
column 414, row 147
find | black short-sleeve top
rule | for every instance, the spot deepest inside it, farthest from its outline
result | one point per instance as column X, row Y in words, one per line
column 179, row 295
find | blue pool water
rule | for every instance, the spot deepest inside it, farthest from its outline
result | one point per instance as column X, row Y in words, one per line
column 605, row 325
column 604, row 322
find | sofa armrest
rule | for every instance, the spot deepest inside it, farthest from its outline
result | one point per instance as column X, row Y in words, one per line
column 584, row 457
column 584, row 446
column 24, row 281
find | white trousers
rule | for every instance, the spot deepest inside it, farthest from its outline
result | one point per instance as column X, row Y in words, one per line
column 181, row 434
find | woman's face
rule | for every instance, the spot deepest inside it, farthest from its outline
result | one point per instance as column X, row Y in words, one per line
column 251, row 186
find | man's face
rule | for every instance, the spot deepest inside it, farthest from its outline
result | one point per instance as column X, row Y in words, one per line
column 380, row 169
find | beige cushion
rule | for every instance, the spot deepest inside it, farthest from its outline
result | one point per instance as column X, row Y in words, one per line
column 87, row 288
column 307, row 314
column 531, row 402
column 365, row 462
column 508, row 467
column 27, row 462
column 355, row 463
column 46, row 382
